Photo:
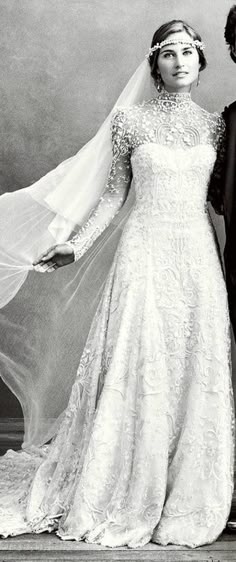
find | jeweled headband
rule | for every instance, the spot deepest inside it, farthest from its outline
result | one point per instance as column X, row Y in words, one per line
column 196, row 43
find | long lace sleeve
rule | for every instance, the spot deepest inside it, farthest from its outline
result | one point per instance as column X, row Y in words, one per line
column 116, row 191
column 215, row 189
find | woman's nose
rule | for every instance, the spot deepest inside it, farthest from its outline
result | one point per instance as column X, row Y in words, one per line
column 179, row 61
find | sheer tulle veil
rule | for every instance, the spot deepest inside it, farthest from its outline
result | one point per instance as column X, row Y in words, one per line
column 45, row 318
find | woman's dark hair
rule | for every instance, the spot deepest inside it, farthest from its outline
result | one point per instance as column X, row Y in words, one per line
column 163, row 32
column 230, row 31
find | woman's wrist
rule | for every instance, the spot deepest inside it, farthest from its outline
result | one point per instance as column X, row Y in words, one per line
column 71, row 244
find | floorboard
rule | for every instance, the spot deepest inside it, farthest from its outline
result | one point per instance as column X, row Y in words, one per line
column 50, row 549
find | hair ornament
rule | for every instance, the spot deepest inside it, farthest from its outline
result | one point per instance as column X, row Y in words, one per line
column 196, row 43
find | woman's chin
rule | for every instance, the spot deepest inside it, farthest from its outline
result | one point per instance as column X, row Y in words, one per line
column 180, row 83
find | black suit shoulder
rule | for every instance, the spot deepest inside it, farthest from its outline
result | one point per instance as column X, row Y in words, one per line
column 229, row 111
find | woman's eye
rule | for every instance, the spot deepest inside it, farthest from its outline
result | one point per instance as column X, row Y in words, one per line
column 171, row 55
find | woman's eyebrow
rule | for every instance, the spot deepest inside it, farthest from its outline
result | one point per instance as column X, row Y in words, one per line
column 169, row 50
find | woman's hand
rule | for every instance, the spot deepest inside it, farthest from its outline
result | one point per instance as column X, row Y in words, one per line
column 57, row 256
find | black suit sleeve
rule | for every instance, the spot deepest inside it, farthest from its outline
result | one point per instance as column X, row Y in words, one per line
column 228, row 179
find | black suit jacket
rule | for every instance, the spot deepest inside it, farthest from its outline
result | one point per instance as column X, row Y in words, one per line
column 228, row 187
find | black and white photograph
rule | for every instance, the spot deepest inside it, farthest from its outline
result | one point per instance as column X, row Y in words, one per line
column 117, row 280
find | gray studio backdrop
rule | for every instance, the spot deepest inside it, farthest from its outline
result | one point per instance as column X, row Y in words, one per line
column 63, row 64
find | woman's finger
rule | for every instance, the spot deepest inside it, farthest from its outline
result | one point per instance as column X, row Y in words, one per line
column 51, row 268
column 46, row 256
column 44, row 267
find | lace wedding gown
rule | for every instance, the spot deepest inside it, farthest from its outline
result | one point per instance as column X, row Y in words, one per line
column 145, row 449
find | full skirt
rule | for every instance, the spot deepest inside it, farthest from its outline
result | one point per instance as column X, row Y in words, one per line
column 145, row 448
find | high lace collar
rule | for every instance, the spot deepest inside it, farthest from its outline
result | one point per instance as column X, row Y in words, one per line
column 173, row 100
column 175, row 95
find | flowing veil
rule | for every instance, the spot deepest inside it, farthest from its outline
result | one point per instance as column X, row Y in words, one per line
column 45, row 318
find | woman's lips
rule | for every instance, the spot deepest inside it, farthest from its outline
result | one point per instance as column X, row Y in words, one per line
column 180, row 73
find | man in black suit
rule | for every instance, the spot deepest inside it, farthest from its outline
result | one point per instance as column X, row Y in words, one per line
column 228, row 179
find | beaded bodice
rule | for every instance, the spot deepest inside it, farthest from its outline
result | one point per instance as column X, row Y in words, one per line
column 172, row 142
column 168, row 144
column 172, row 120
column 171, row 185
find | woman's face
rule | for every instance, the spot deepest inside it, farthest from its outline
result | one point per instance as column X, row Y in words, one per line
column 178, row 64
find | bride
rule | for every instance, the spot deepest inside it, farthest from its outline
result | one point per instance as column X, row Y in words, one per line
column 144, row 449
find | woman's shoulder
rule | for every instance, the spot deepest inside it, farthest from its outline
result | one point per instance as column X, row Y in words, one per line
column 215, row 119
column 128, row 112
column 218, row 122
column 130, row 118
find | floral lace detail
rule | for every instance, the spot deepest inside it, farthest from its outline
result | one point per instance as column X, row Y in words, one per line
column 145, row 448
column 172, row 120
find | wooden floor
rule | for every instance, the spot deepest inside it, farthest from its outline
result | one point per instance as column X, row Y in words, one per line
column 50, row 548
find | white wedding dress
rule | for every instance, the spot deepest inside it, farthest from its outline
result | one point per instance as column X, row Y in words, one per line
column 145, row 449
